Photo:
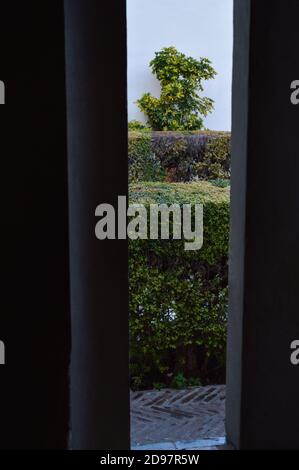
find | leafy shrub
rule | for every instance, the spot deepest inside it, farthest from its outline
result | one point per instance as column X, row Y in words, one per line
column 179, row 107
column 171, row 150
column 179, row 381
column 178, row 298
column 215, row 164
column 221, row 183
column 137, row 126
column 143, row 165
column 177, row 156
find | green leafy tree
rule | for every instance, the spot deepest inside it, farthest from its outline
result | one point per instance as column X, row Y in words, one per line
column 179, row 107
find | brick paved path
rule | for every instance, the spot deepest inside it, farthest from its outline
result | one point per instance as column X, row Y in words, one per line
column 177, row 415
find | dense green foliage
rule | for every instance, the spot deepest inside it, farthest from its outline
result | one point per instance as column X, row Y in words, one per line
column 216, row 161
column 179, row 107
column 178, row 298
column 137, row 126
column 177, row 156
column 143, row 164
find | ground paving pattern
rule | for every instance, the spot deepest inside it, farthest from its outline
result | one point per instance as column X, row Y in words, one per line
column 177, row 417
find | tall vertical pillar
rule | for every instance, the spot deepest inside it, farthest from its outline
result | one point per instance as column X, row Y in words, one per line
column 97, row 146
column 262, row 384
column 34, row 278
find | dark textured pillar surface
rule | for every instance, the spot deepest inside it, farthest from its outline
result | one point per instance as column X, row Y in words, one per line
column 97, row 143
column 263, row 386
column 34, row 300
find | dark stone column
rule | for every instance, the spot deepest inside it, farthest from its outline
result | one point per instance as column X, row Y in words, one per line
column 263, row 386
column 34, row 281
column 97, row 143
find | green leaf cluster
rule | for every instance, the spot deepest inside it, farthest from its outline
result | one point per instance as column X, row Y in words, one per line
column 179, row 156
column 180, row 106
column 143, row 164
column 178, row 298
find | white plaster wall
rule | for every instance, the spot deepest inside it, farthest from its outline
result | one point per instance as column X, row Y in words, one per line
column 200, row 28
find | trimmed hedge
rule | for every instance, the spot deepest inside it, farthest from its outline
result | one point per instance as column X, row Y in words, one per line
column 178, row 298
column 143, row 164
column 179, row 156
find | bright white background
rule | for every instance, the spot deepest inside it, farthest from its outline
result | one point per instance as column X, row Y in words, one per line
column 200, row 28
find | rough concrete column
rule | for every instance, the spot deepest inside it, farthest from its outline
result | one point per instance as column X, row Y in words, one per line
column 263, row 385
column 97, row 145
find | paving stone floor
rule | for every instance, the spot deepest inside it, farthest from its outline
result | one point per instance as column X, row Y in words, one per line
column 173, row 419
